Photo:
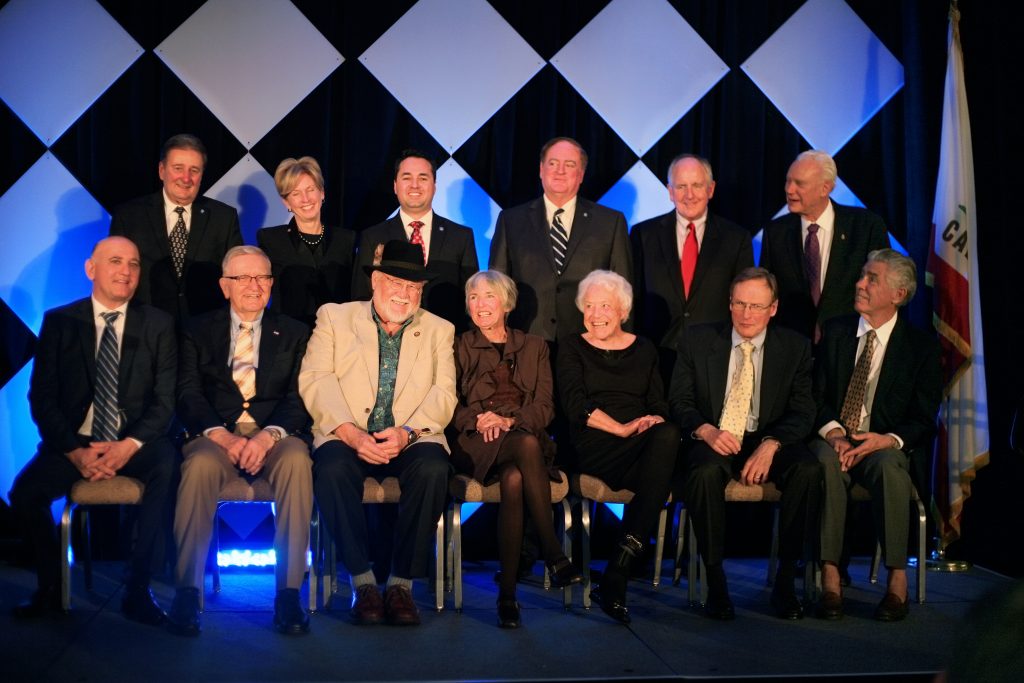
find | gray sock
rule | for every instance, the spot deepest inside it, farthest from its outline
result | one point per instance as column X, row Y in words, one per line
column 364, row 579
column 397, row 581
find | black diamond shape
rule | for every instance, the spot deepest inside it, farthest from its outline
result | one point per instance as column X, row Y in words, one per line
column 547, row 27
column 734, row 30
column 352, row 27
column 503, row 156
column 356, row 146
column 19, row 148
column 18, row 344
column 114, row 148
column 149, row 23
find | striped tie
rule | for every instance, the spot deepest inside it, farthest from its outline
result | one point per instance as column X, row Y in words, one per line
column 243, row 371
column 559, row 240
column 105, row 411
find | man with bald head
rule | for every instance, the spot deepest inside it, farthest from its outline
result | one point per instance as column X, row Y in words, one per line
column 816, row 251
column 102, row 395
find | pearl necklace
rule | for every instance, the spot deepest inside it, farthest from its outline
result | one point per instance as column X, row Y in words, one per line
column 312, row 243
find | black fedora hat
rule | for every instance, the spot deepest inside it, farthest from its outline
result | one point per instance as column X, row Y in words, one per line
column 401, row 259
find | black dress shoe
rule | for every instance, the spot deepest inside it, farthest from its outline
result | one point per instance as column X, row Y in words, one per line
column 183, row 619
column 289, row 617
column 719, row 607
column 786, row 604
column 509, row 614
column 612, row 605
column 367, row 605
column 140, row 605
column 563, row 573
column 891, row 608
column 830, row 606
column 45, row 602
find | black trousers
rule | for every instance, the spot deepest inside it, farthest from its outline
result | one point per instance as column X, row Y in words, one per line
column 422, row 471
column 50, row 475
column 794, row 470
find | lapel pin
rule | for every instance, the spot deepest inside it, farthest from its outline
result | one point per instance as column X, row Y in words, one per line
column 276, row 333
column 586, row 215
column 842, row 235
column 416, row 333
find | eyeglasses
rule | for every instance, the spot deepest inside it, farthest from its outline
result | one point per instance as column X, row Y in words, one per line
column 403, row 285
column 740, row 306
column 249, row 279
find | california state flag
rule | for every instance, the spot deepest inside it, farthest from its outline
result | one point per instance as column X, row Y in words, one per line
column 963, row 443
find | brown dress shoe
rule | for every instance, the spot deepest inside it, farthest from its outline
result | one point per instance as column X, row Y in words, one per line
column 399, row 608
column 367, row 605
column 891, row 608
column 830, row 606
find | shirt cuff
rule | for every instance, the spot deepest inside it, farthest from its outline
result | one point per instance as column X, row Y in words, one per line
column 829, row 426
column 206, row 432
column 899, row 441
column 140, row 444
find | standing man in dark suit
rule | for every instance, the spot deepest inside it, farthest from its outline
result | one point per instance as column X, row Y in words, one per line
column 685, row 261
column 742, row 392
column 548, row 245
column 181, row 236
column 878, row 384
column 449, row 249
column 817, row 249
column 102, row 395
column 238, row 397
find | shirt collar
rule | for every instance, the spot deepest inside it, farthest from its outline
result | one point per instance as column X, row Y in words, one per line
column 568, row 207
column 380, row 323
column 98, row 308
column 824, row 222
column 427, row 219
column 757, row 341
column 169, row 204
column 882, row 332
column 236, row 321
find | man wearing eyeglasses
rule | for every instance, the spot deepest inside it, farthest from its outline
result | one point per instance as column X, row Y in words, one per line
column 238, row 399
column 742, row 392
column 379, row 380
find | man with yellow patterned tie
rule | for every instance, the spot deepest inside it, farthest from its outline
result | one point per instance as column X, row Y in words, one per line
column 741, row 393
column 238, row 397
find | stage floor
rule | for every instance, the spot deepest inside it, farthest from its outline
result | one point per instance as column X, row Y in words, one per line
column 667, row 639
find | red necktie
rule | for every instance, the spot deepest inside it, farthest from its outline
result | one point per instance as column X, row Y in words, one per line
column 688, row 263
column 417, row 237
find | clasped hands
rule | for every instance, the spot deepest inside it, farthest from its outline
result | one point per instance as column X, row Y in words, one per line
column 867, row 443
column 755, row 469
column 248, row 454
column 102, row 459
column 490, row 425
column 378, row 448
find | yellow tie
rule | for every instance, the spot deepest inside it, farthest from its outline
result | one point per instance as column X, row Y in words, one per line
column 737, row 406
column 242, row 369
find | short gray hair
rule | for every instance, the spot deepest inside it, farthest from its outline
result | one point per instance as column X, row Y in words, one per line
column 902, row 271
column 611, row 281
column 699, row 159
column 241, row 250
column 503, row 285
column 824, row 160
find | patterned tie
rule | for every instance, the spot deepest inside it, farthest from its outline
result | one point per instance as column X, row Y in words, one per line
column 857, row 389
column 242, row 369
column 559, row 240
column 812, row 262
column 737, row 406
column 689, row 261
column 179, row 241
column 105, row 409
column 417, row 238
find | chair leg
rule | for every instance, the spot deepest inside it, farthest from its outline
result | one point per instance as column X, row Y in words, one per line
column 773, row 557
column 456, row 552
column 215, row 545
column 86, row 536
column 585, row 549
column 65, row 562
column 922, row 531
column 313, row 553
column 876, row 560
column 449, row 551
column 567, row 547
column 659, row 545
column 439, row 553
column 680, row 544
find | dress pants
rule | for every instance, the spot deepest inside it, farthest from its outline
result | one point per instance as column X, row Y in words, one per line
column 794, row 470
column 206, row 470
column 886, row 476
column 422, row 471
column 50, row 475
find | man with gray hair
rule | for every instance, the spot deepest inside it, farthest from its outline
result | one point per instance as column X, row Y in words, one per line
column 877, row 384
column 816, row 250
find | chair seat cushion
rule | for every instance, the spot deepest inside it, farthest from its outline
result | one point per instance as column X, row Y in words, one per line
column 117, row 491
column 736, row 492
column 239, row 490
column 386, row 491
column 468, row 490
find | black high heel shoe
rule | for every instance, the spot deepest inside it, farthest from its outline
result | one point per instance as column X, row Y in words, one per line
column 563, row 573
column 509, row 614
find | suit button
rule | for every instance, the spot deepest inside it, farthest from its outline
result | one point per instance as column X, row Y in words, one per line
column 686, row 315
column 553, row 321
column 367, row 411
column 245, row 405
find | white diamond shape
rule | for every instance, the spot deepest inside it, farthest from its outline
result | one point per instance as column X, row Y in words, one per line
column 452, row 64
column 249, row 188
column 641, row 67
column 826, row 72
column 58, row 56
column 249, row 61
column 639, row 195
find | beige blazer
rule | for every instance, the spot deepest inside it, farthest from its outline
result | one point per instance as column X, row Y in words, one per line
column 339, row 375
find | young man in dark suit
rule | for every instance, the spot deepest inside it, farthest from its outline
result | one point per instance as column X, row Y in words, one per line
column 181, row 236
column 102, row 395
column 238, row 399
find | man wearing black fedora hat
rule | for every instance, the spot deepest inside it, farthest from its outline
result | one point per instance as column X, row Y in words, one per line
column 379, row 380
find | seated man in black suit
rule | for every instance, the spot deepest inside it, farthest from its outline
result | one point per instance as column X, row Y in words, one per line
column 102, row 395
column 816, row 250
column 878, row 384
column 449, row 249
column 238, row 398
column 181, row 236
column 685, row 261
column 742, row 392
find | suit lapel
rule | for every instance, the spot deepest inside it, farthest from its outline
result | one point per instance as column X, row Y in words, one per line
column 437, row 238
column 838, row 253
column 718, row 371
column 158, row 225
column 133, row 323
column 412, row 343
column 669, row 248
column 580, row 227
column 197, row 231
column 846, row 352
column 87, row 339
column 795, row 249
column 270, row 339
column 894, row 351
column 706, row 256
column 366, row 331
column 772, row 363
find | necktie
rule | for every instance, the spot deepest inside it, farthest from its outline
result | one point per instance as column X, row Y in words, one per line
column 242, row 369
column 417, row 238
column 559, row 240
column 737, row 406
column 689, row 261
column 812, row 262
column 857, row 389
column 105, row 409
column 179, row 241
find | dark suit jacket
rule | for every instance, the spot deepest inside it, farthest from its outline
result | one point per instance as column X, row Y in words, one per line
column 64, row 375
column 301, row 283
column 856, row 232
column 214, row 229
column 452, row 259
column 661, row 310
column 207, row 394
column 786, row 410
column 521, row 248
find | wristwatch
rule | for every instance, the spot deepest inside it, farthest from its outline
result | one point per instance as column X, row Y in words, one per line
column 275, row 433
column 413, row 435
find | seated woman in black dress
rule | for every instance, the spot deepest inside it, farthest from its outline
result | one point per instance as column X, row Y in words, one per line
column 613, row 397
column 312, row 264
column 505, row 404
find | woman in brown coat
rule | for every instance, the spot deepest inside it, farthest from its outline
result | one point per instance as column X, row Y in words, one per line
column 505, row 405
